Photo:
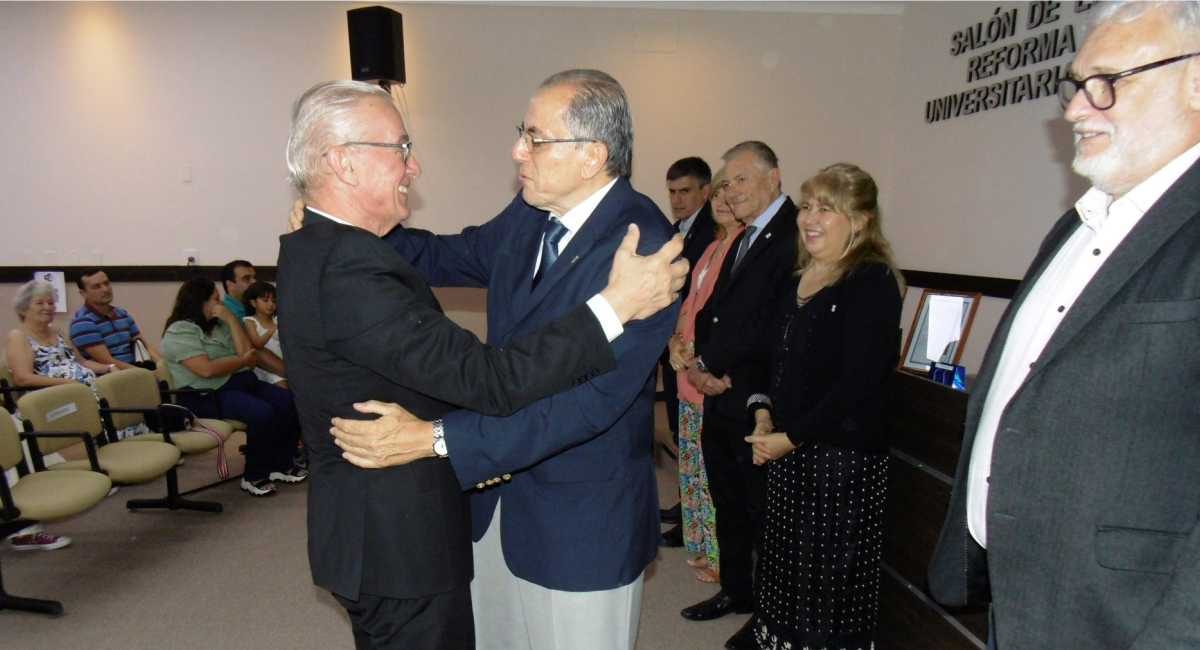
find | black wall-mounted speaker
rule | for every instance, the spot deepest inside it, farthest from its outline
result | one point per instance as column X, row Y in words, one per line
column 376, row 44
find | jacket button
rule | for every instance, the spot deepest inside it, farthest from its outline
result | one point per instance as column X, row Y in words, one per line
column 716, row 320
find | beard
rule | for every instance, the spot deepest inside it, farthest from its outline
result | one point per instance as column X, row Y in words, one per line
column 1102, row 168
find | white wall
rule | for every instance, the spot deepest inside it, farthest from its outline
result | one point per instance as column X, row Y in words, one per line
column 165, row 124
column 112, row 106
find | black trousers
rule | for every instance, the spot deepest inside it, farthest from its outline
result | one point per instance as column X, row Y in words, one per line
column 438, row 622
column 670, row 394
column 738, row 491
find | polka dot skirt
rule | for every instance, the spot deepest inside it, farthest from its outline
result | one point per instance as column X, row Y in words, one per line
column 817, row 583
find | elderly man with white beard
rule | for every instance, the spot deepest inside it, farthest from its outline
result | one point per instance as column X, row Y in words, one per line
column 1076, row 499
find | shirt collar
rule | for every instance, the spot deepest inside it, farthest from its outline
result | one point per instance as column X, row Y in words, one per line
column 686, row 224
column 1095, row 206
column 329, row 216
column 763, row 220
column 576, row 216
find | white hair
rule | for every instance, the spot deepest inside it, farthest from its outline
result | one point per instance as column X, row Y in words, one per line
column 323, row 118
column 1184, row 15
column 26, row 294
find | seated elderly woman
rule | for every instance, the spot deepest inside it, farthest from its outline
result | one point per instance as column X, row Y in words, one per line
column 38, row 354
column 207, row 349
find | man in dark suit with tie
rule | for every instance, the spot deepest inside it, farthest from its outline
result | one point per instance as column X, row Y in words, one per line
column 689, row 184
column 359, row 322
column 561, row 549
column 1078, row 472
column 728, row 362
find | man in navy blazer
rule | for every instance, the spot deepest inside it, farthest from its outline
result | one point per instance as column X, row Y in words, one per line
column 561, row 547
column 1078, row 471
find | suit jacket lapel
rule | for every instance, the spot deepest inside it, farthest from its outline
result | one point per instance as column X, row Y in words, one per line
column 778, row 227
column 1058, row 235
column 1179, row 204
column 598, row 224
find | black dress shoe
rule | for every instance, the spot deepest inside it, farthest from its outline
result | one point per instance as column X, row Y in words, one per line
column 743, row 639
column 670, row 515
column 672, row 538
column 716, row 607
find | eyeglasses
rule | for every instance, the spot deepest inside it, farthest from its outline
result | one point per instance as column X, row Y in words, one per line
column 1099, row 89
column 405, row 148
column 526, row 138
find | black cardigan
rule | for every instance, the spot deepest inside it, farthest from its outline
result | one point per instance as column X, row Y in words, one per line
column 829, row 374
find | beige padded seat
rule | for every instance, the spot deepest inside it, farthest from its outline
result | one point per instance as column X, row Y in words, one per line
column 48, row 495
column 41, row 496
column 137, row 388
column 72, row 407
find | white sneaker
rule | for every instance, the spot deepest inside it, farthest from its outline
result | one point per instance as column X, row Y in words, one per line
column 261, row 488
column 292, row 475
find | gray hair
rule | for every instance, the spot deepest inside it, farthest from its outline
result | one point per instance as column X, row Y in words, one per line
column 27, row 292
column 1184, row 15
column 322, row 118
column 764, row 154
column 599, row 110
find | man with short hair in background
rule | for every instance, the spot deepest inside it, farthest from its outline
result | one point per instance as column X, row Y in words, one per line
column 1076, row 501
column 102, row 331
column 689, row 185
column 236, row 277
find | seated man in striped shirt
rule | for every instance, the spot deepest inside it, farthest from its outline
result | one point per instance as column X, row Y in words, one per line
column 102, row 331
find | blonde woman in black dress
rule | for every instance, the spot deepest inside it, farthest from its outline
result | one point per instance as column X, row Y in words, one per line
column 819, row 424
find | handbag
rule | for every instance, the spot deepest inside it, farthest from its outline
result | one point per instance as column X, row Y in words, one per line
column 141, row 355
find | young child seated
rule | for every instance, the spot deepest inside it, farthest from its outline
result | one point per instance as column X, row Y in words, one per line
column 261, row 328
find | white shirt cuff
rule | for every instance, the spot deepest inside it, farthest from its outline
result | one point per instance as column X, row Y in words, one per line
column 609, row 321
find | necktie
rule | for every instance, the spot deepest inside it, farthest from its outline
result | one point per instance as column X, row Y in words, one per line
column 743, row 245
column 550, row 237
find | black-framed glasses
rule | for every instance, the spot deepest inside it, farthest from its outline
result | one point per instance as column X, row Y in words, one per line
column 526, row 138
column 1099, row 88
column 405, row 148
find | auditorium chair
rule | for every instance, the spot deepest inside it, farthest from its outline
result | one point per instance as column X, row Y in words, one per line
column 73, row 407
column 131, row 397
column 42, row 496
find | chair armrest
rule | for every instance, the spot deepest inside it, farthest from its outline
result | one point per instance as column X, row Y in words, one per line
column 88, row 442
column 7, row 391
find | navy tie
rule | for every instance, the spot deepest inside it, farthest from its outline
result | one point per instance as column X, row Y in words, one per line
column 553, row 234
column 743, row 246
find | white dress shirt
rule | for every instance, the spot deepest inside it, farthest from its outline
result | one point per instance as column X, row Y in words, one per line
column 686, row 224
column 573, row 220
column 1104, row 223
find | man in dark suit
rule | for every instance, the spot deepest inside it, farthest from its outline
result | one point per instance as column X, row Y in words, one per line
column 1078, row 472
column 359, row 322
column 560, row 549
column 728, row 362
column 689, row 184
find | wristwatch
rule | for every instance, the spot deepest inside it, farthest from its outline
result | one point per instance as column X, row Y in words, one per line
column 439, row 439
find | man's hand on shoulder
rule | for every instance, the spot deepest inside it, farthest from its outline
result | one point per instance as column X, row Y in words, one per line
column 397, row 437
column 640, row 286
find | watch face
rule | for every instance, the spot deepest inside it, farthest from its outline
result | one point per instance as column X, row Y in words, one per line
column 439, row 447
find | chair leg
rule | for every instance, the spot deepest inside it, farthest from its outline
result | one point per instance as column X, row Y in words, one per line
column 35, row 605
column 173, row 501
